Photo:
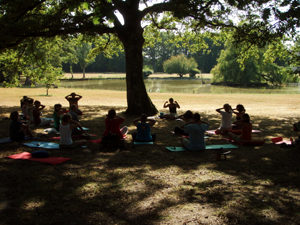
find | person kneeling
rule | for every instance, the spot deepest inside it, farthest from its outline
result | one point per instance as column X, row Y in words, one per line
column 195, row 131
column 143, row 126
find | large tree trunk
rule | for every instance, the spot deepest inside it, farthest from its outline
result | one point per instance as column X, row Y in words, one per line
column 138, row 101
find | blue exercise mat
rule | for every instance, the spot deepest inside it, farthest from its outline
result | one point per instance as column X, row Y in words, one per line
column 208, row 147
column 143, row 143
column 41, row 144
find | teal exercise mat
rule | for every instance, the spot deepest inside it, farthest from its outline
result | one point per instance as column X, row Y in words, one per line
column 143, row 143
column 41, row 144
column 224, row 146
column 83, row 128
column 175, row 149
column 208, row 147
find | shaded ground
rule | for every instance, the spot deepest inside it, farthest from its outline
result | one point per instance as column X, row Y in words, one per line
column 149, row 185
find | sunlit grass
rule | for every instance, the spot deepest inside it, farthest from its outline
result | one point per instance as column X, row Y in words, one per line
column 276, row 105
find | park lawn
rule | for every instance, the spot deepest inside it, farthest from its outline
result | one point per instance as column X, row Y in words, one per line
column 147, row 184
column 123, row 75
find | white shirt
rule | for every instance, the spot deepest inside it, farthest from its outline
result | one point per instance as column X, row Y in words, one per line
column 226, row 119
column 65, row 134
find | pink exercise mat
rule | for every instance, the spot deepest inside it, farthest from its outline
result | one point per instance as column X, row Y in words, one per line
column 49, row 160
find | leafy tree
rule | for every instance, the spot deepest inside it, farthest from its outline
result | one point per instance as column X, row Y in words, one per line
column 70, row 57
column 180, row 64
column 38, row 60
column 268, row 64
column 123, row 18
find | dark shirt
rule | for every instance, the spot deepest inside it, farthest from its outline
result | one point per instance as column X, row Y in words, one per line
column 15, row 132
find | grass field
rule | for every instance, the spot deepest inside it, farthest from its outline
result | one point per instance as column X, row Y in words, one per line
column 147, row 184
column 122, row 75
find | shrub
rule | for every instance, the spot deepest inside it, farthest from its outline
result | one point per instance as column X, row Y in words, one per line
column 147, row 71
column 180, row 64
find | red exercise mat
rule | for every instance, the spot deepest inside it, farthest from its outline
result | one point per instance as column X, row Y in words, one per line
column 49, row 160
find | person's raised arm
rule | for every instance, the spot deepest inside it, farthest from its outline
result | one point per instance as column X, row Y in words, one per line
column 177, row 105
column 219, row 109
column 42, row 107
column 166, row 104
column 235, row 111
column 78, row 96
column 68, row 96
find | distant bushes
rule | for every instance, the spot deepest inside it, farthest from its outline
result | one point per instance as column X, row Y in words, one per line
column 181, row 65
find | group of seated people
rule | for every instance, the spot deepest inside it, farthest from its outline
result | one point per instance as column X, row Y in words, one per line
column 21, row 125
column 66, row 122
column 239, row 131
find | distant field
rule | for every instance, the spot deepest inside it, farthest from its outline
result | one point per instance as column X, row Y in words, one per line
column 122, row 75
column 275, row 105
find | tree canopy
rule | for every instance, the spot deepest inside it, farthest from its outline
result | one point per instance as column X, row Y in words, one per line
column 262, row 20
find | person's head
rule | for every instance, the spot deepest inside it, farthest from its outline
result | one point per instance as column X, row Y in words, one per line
column 143, row 118
column 196, row 117
column 227, row 107
column 30, row 101
column 37, row 103
column 14, row 116
column 66, row 118
column 73, row 94
column 171, row 100
column 188, row 115
column 240, row 108
column 24, row 97
column 246, row 118
column 57, row 107
column 111, row 114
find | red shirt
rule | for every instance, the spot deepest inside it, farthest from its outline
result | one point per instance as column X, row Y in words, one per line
column 112, row 126
column 246, row 131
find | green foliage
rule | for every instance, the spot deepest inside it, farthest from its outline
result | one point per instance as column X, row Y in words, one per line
column 180, row 64
column 243, row 64
column 38, row 60
column 147, row 71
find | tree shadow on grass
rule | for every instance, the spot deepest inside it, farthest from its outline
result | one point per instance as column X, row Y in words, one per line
column 149, row 185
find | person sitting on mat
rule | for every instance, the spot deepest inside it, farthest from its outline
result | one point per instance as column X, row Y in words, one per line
column 113, row 134
column 57, row 114
column 17, row 129
column 246, row 130
column 65, row 132
column 172, row 105
column 226, row 122
column 187, row 117
column 73, row 99
column 143, row 126
column 195, row 131
column 36, row 112
column 239, row 111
